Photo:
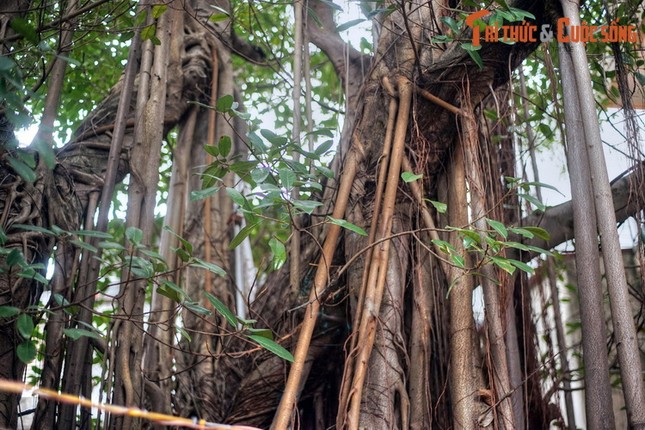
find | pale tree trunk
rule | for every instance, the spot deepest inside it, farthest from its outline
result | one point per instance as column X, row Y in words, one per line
column 629, row 355
column 597, row 400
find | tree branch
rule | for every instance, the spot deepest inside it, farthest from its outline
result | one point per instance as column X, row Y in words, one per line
column 350, row 65
column 558, row 220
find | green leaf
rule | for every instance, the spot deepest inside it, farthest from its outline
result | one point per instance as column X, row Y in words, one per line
column 224, row 103
column 349, row 24
column 46, row 152
column 60, row 300
column 83, row 245
column 212, row 174
column 183, row 333
column 6, row 64
column 26, row 351
column 196, row 308
column 243, row 168
column 148, row 32
column 218, row 17
column 348, row 225
column 158, row 10
column 93, row 233
column 8, row 311
column 187, row 245
column 212, row 150
column 440, row 207
column 203, row 193
column 237, row 197
column 76, row 333
column 25, row 29
column 538, row 204
column 14, row 258
column 498, row 227
column 287, row 177
column 522, row 266
column 539, row 250
column 539, row 232
column 222, row 309
column 25, row 326
column 256, row 142
column 520, row 14
column 273, row 138
column 183, row 255
column 458, row 260
column 152, row 254
column 140, row 267
column 517, row 245
column 259, row 174
column 451, row 23
column 30, row 273
column 476, row 58
column 473, row 236
column 307, row 206
column 111, row 245
column 25, row 172
column 504, row 264
column 522, row 231
column 208, row 266
column 326, row 171
column 224, row 146
column 264, row 332
column 272, row 346
column 134, row 235
column 444, row 246
column 171, row 290
column 542, row 185
column 171, row 294
column 278, row 250
column 324, row 147
column 39, row 229
column 640, row 77
column 239, row 238
column 470, row 47
column 410, row 177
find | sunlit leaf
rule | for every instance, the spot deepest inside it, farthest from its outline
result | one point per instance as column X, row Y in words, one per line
column 410, row 177
column 348, row 225
column 498, row 227
column 440, row 207
column 273, row 346
column 504, row 264
column 522, row 266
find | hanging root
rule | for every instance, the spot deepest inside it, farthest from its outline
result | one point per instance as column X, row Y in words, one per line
column 372, row 294
column 294, row 381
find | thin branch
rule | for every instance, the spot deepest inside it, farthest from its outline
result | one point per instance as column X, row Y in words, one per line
column 162, row 419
